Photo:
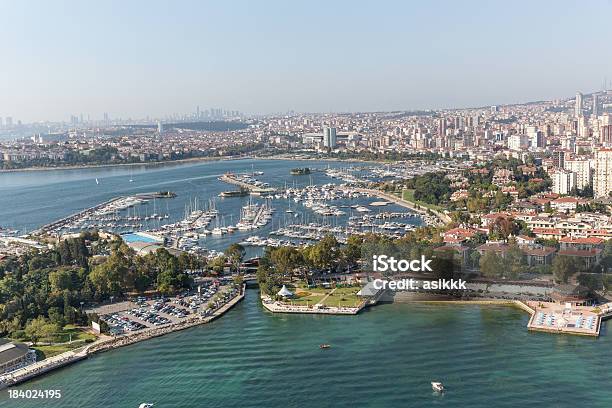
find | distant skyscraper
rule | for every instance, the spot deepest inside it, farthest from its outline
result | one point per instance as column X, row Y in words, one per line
column 160, row 127
column 9, row 121
column 329, row 137
column 0, row 121
column 442, row 127
column 578, row 106
column 595, row 110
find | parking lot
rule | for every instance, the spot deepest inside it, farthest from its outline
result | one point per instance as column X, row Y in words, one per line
column 142, row 312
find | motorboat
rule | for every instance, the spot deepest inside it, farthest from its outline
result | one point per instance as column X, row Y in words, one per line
column 437, row 386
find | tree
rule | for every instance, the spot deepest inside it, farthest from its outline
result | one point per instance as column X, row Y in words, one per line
column 491, row 264
column 217, row 264
column 351, row 252
column 503, row 227
column 563, row 267
column 514, row 261
column 235, row 254
column 285, row 259
column 60, row 279
column 323, row 254
column 41, row 329
column 56, row 316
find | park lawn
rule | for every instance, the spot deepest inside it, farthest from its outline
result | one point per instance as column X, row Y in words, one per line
column 76, row 333
column 79, row 339
column 344, row 297
column 43, row 352
column 306, row 296
column 409, row 196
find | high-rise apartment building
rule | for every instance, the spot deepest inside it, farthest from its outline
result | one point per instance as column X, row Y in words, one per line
column 602, row 179
column 583, row 170
column 563, row 181
column 579, row 103
column 329, row 137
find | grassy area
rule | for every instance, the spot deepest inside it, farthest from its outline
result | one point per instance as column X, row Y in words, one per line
column 409, row 196
column 69, row 332
column 43, row 352
column 341, row 297
column 305, row 296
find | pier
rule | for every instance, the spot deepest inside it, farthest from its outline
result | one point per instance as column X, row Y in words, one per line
column 71, row 218
column 231, row 179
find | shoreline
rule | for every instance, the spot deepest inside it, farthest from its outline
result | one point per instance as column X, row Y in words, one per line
column 119, row 165
column 183, row 161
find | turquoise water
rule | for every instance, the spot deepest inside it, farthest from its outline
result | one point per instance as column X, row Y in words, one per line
column 384, row 357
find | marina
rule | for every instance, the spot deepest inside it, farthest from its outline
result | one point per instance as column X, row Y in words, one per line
column 295, row 210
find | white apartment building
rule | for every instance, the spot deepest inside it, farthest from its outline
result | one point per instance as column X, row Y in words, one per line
column 518, row 142
column 563, row 181
column 583, row 169
column 602, row 179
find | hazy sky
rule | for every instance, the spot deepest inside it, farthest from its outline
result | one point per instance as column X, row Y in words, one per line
column 138, row 58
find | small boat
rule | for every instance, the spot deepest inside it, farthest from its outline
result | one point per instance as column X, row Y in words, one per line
column 437, row 386
column 324, row 346
column 145, row 405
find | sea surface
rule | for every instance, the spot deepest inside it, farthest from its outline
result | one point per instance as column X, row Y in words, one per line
column 384, row 357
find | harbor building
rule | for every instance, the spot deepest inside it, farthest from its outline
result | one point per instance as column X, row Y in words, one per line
column 14, row 355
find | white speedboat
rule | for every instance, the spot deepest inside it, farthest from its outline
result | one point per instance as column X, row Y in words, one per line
column 145, row 405
column 437, row 386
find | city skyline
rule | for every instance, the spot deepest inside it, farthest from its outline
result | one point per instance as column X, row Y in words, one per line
column 150, row 59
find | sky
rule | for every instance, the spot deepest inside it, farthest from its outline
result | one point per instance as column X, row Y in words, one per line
column 154, row 58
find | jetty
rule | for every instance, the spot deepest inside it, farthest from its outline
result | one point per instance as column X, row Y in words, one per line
column 231, row 178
